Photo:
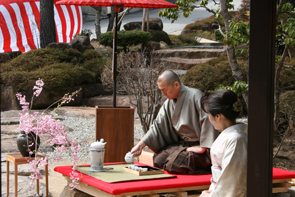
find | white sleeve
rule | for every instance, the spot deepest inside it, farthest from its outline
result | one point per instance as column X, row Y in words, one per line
column 233, row 179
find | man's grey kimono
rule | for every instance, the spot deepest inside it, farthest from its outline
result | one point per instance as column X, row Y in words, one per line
column 181, row 122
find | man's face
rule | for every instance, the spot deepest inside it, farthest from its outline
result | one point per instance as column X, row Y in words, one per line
column 169, row 91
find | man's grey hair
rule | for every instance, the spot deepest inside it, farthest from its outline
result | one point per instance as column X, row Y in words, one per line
column 169, row 76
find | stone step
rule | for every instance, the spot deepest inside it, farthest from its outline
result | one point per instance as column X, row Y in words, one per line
column 184, row 63
column 190, row 53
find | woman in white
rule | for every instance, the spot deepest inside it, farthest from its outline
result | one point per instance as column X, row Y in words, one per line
column 229, row 150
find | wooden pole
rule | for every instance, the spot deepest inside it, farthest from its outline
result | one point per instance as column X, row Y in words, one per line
column 147, row 20
column 115, row 57
column 261, row 97
column 143, row 19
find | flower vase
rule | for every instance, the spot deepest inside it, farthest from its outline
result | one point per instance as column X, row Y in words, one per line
column 26, row 143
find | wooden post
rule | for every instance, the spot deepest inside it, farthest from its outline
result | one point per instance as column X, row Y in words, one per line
column 143, row 19
column 147, row 20
column 261, row 97
column 116, row 127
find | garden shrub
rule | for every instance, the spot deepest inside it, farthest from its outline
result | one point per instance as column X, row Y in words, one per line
column 218, row 35
column 204, row 24
column 209, row 75
column 175, row 40
column 287, row 75
column 125, row 38
column 59, row 68
column 158, row 36
column 287, row 103
column 189, row 38
column 286, row 113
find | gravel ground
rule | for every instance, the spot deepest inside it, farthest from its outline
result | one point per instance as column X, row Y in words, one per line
column 82, row 130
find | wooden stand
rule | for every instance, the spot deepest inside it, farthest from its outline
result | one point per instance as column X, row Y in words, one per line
column 18, row 159
column 116, row 127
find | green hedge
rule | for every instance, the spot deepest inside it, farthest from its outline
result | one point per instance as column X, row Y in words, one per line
column 125, row 38
column 158, row 36
column 287, row 76
column 287, row 103
column 209, row 75
column 59, row 68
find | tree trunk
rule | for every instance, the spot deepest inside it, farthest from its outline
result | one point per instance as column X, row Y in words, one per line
column 111, row 20
column 277, row 84
column 47, row 25
column 230, row 50
column 97, row 20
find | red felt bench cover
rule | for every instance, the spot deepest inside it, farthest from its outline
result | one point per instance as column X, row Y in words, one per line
column 160, row 184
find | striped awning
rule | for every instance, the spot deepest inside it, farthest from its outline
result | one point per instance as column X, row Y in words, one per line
column 121, row 3
column 20, row 24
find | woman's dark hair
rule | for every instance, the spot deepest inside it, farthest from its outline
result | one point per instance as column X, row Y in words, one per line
column 221, row 102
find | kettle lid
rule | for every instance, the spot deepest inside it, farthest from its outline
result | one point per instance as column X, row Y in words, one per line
column 98, row 144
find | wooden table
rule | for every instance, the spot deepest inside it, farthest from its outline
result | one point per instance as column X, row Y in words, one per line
column 18, row 159
column 181, row 186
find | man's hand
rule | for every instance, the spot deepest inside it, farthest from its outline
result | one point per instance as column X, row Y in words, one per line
column 136, row 150
column 196, row 149
column 205, row 193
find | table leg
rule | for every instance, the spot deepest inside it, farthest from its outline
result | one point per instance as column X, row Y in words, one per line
column 46, row 178
column 15, row 180
column 7, row 177
column 37, row 183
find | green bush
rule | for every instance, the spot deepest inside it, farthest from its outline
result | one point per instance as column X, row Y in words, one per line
column 158, row 36
column 204, row 24
column 175, row 40
column 286, row 112
column 287, row 103
column 218, row 35
column 209, row 75
column 59, row 68
column 125, row 38
column 189, row 38
column 287, row 75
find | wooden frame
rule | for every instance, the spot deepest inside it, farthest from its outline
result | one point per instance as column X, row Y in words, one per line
column 278, row 186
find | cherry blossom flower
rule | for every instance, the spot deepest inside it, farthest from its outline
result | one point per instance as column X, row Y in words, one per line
column 40, row 123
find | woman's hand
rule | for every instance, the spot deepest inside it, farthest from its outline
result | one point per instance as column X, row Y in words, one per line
column 196, row 149
column 205, row 193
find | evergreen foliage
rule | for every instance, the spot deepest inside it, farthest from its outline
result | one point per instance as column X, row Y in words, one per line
column 209, row 75
column 59, row 68
column 125, row 38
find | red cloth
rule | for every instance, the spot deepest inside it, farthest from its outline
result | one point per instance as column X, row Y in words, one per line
column 178, row 182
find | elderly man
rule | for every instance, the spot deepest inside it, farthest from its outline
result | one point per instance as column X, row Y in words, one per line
column 181, row 133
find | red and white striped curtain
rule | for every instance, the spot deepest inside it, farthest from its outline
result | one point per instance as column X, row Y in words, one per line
column 20, row 24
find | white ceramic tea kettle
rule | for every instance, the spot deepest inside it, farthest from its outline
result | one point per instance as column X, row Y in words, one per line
column 97, row 155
